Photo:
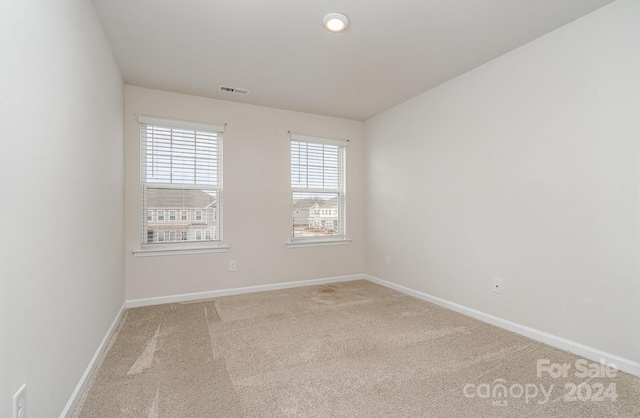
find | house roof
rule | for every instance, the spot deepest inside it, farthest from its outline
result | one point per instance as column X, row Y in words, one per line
column 177, row 198
column 309, row 203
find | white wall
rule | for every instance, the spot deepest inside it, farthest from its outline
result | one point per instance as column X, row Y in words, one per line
column 62, row 198
column 525, row 169
column 257, row 213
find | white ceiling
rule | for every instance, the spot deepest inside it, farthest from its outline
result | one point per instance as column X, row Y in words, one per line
column 278, row 49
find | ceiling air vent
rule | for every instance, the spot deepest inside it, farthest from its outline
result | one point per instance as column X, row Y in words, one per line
column 234, row 90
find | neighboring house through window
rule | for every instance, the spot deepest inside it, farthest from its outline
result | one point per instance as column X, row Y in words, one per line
column 318, row 168
column 181, row 172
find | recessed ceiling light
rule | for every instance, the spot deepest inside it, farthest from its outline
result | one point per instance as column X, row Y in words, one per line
column 335, row 22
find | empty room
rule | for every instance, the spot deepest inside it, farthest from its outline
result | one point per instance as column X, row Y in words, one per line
column 352, row 209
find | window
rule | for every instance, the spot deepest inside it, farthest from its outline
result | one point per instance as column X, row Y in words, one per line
column 181, row 170
column 149, row 215
column 198, row 235
column 207, row 235
column 198, row 216
column 317, row 187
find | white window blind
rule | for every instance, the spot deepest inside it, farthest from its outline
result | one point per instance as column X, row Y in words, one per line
column 177, row 156
column 181, row 172
column 318, row 187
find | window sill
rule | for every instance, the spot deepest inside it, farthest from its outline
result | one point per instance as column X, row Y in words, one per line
column 177, row 250
column 317, row 242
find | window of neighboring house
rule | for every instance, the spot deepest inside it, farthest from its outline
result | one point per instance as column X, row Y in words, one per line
column 198, row 216
column 149, row 215
column 198, row 235
column 207, row 234
column 180, row 166
column 318, row 178
column 160, row 236
column 172, row 236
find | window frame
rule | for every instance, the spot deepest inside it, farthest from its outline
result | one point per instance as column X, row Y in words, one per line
column 339, row 191
column 180, row 245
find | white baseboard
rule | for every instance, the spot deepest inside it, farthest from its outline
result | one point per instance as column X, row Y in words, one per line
column 95, row 360
column 581, row 350
column 187, row 297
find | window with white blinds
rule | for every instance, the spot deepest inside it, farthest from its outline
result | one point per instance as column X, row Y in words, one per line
column 317, row 187
column 181, row 176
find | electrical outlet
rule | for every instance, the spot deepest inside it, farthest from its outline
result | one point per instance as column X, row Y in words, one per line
column 387, row 260
column 20, row 403
column 497, row 285
column 232, row 265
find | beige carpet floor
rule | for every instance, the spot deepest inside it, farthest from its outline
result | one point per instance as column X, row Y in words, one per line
column 352, row 349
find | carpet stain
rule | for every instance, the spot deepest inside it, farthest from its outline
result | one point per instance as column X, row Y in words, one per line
column 326, row 288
